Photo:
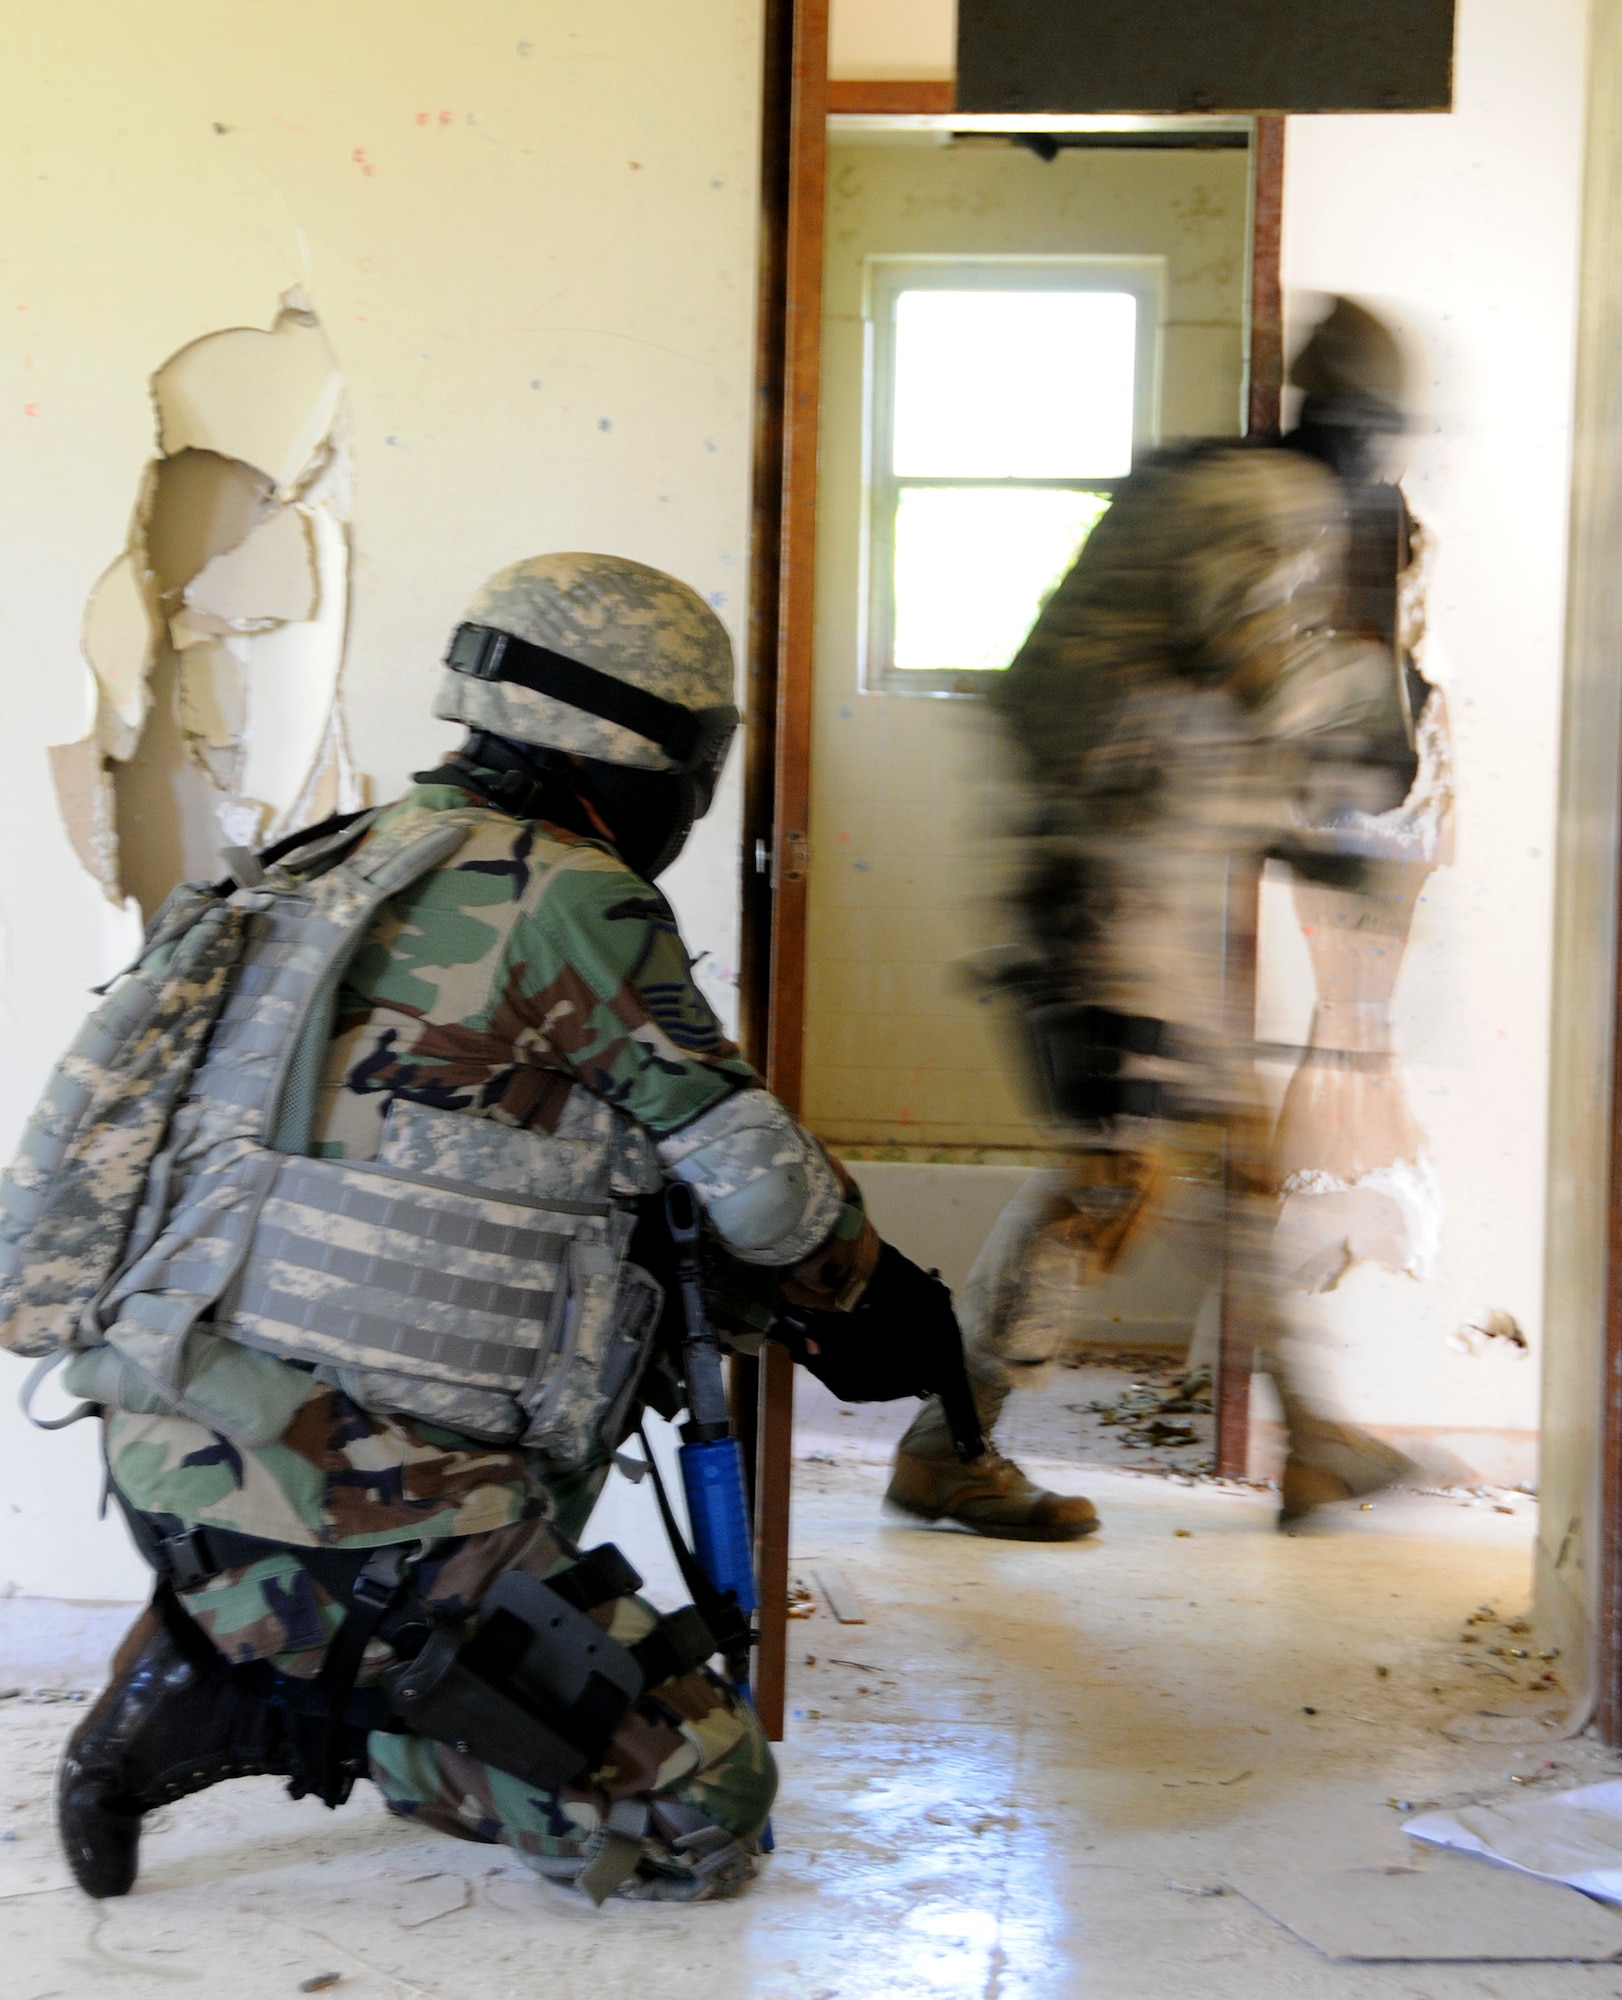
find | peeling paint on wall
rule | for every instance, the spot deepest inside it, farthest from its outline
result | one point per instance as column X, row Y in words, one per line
column 1356, row 1175
column 216, row 639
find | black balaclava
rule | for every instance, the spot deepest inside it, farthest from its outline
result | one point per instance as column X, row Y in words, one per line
column 645, row 815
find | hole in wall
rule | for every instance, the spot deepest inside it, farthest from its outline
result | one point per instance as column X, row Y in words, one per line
column 216, row 638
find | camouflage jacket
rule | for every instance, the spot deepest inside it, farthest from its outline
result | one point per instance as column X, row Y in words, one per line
column 1184, row 702
column 532, row 966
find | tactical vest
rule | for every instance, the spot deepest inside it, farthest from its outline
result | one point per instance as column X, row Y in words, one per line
column 472, row 1274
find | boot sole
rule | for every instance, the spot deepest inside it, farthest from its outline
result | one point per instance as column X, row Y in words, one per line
column 997, row 1532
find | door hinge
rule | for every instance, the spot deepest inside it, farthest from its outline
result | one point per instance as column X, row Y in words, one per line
column 796, row 862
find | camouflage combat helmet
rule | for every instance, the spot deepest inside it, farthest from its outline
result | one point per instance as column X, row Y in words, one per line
column 597, row 656
column 1351, row 370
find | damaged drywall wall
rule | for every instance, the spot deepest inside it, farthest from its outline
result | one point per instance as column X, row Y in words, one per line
column 216, row 639
column 1356, row 1179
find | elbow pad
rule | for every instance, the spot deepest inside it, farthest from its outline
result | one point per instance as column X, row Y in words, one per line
column 765, row 1183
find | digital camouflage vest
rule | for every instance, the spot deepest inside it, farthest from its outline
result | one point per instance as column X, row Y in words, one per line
column 165, row 1217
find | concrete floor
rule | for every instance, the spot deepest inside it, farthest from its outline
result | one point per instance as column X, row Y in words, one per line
column 1019, row 1778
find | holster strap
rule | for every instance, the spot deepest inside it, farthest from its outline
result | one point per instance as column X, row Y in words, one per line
column 598, row 1577
column 383, row 1580
column 679, row 1642
column 370, row 1584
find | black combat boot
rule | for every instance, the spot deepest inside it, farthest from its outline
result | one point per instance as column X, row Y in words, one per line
column 167, row 1724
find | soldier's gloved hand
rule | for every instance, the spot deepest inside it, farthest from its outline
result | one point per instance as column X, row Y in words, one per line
column 901, row 1338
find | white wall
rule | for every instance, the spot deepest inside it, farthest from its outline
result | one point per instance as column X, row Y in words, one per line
column 1468, row 223
column 528, row 228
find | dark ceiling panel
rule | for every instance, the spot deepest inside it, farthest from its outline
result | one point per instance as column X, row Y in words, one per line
column 1205, row 55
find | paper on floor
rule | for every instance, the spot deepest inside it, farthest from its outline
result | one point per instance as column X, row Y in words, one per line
column 1573, row 1837
column 1435, row 1915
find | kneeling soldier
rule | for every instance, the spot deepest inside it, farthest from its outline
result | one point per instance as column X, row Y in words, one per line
column 342, row 1209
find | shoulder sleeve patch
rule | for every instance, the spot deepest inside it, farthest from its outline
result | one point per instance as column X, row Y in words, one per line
column 652, row 1043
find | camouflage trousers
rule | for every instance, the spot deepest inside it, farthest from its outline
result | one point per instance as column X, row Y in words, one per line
column 1023, row 1307
column 689, row 1769
column 1023, row 1300
column 694, row 1756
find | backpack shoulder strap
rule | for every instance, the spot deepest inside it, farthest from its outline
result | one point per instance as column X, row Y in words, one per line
column 347, row 897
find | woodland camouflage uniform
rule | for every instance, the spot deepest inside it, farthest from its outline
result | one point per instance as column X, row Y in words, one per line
column 365, row 1211
column 529, row 978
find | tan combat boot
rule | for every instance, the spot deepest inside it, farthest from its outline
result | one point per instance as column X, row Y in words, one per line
column 991, row 1496
column 1330, row 1462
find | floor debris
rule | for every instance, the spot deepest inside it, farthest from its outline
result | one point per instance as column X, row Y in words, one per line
column 1164, row 1408
column 1527, row 1725
column 1022, row 1684
column 431, row 1897
column 841, row 1598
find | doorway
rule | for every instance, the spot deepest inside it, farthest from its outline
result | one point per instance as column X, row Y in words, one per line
column 1180, row 218
column 953, row 494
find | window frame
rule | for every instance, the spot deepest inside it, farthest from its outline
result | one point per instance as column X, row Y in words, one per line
column 884, row 278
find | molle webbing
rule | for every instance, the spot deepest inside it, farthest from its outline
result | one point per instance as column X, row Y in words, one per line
column 481, row 1297
column 93, row 1176
column 352, row 1267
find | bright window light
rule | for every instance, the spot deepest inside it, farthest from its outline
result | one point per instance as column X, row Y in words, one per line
column 1014, row 384
column 975, row 564
column 1007, row 398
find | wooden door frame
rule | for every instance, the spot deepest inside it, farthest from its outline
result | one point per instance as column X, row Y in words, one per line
column 797, row 98
column 777, row 771
column 1607, row 1668
column 1263, row 418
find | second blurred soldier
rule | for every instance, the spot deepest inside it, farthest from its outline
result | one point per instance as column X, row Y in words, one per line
column 1193, row 700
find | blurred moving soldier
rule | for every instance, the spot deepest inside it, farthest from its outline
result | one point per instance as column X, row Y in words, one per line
column 1192, row 701
column 341, row 1209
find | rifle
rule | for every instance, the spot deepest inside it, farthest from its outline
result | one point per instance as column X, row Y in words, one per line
column 711, row 1457
column 719, row 1569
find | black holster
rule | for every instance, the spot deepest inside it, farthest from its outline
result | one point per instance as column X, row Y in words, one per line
column 531, row 1685
column 534, row 1685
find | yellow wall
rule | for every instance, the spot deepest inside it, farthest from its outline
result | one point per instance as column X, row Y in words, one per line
column 904, row 38
column 528, row 228
column 895, row 1051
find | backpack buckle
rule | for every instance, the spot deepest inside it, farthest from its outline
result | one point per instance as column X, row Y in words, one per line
column 187, row 1558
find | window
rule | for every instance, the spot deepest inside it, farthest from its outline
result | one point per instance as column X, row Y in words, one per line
column 1006, row 397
